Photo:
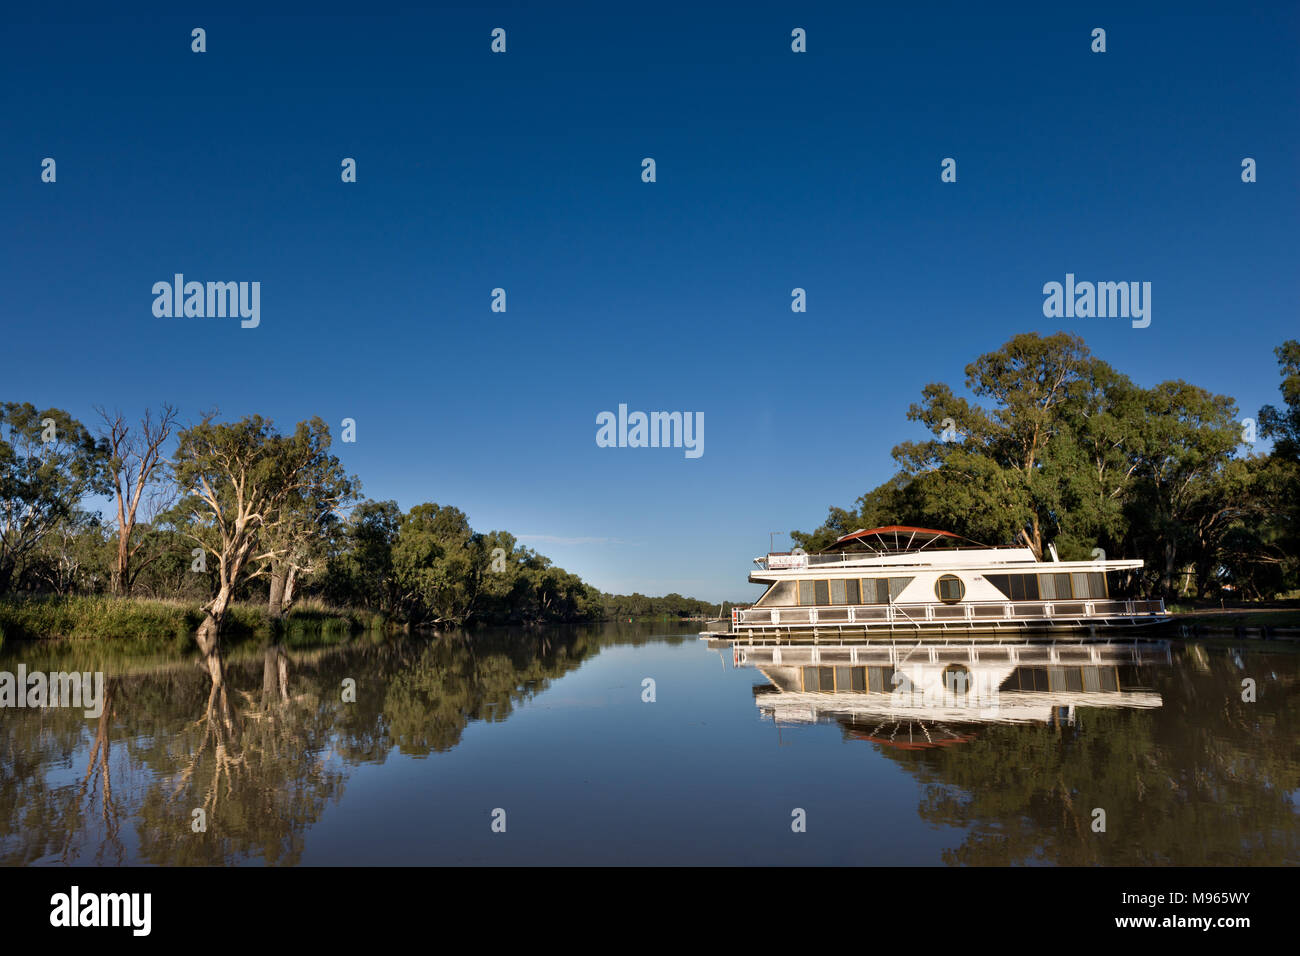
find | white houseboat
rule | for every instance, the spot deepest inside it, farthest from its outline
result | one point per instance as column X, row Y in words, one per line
column 895, row 580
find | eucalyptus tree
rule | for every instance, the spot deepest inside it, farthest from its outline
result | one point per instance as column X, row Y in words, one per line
column 297, row 531
column 438, row 565
column 48, row 463
column 984, row 471
column 1283, row 424
column 359, row 571
column 1188, row 437
column 135, row 467
column 240, row 481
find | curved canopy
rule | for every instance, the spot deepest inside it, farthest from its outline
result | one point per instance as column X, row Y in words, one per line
column 898, row 537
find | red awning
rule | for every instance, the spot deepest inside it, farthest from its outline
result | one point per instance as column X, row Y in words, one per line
column 895, row 528
column 899, row 538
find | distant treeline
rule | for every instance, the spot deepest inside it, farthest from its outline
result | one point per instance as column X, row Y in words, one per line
column 623, row 606
column 1069, row 451
column 238, row 512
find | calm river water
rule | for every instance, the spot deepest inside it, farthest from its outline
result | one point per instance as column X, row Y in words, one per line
column 641, row 744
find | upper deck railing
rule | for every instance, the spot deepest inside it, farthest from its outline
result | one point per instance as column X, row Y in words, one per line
column 794, row 560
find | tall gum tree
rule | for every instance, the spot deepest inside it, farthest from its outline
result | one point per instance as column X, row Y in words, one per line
column 297, row 533
column 135, row 463
column 987, row 474
column 240, row 479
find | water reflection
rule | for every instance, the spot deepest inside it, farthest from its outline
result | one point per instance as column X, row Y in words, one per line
column 1192, row 752
column 982, row 753
column 237, row 759
column 922, row 693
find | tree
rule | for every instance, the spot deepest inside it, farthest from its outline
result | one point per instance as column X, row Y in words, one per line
column 74, row 557
column 239, row 477
column 359, row 572
column 48, row 463
column 984, row 475
column 1188, row 436
column 296, row 533
column 438, row 564
column 1074, row 452
column 134, row 460
column 1283, row 425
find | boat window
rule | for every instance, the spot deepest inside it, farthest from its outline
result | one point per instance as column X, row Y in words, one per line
column 838, row 592
column 853, row 593
column 1079, row 580
column 1097, row 583
column 1063, row 590
column 1047, row 586
column 780, row 594
column 823, row 592
column 896, row 586
column 875, row 590
column 806, row 594
column 949, row 589
column 1024, row 587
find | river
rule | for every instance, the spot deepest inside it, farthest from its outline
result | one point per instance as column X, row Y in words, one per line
column 641, row 744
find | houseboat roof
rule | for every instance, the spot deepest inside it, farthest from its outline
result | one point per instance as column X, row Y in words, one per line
column 901, row 538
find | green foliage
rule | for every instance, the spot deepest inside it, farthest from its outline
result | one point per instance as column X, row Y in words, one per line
column 1283, row 424
column 1074, row 453
column 621, row 607
column 48, row 463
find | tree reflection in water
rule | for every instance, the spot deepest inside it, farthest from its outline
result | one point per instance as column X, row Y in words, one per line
column 260, row 742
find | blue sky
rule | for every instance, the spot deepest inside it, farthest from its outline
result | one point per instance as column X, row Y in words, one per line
column 775, row 170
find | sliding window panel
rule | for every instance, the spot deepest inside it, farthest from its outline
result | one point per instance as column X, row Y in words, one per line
column 839, row 593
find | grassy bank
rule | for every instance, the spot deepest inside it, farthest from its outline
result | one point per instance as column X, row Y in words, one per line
column 169, row 623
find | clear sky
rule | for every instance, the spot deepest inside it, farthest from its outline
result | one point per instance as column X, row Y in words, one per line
column 522, row 171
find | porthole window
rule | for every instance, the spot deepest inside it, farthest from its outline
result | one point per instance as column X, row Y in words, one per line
column 949, row 589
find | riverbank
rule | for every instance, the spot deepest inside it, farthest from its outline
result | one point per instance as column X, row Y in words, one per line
column 1279, row 615
column 169, row 623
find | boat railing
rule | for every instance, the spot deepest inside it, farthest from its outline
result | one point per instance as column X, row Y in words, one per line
column 795, row 560
column 925, row 615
